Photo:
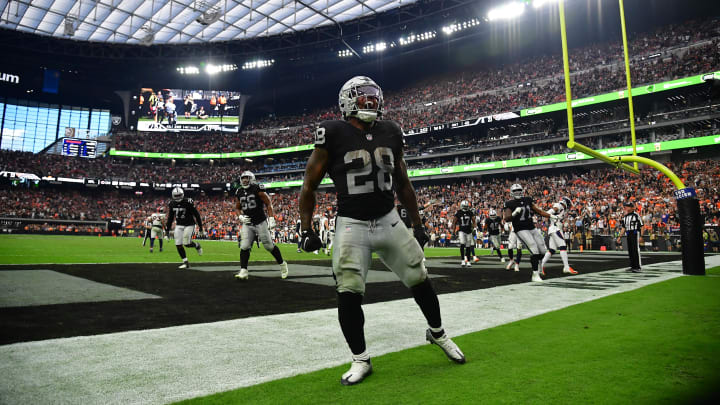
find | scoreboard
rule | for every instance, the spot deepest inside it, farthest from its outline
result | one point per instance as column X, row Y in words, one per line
column 79, row 147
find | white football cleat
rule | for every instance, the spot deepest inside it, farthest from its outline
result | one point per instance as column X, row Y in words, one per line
column 536, row 276
column 452, row 351
column 185, row 265
column 359, row 369
column 476, row 259
column 510, row 264
column 502, row 260
column 242, row 274
column 468, row 263
column 283, row 270
column 517, row 267
column 569, row 270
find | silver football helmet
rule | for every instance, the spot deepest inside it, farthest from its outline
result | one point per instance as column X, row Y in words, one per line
column 566, row 202
column 362, row 98
column 464, row 204
column 178, row 194
column 246, row 179
column 492, row 213
column 516, row 190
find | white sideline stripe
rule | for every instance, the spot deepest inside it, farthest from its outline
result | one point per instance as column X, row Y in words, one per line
column 163, row 365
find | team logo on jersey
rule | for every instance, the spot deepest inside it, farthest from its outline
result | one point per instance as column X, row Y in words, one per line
column 369, row 137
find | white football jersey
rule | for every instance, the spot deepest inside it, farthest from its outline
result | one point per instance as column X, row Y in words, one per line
column 332, row 224
column 558, row 210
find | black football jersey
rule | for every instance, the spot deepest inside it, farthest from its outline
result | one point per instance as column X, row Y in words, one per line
column 250, row 202
column 493, row 225
column 184, row 212
column 463, row 218
column 404, row 215
column 524, row 220
column 316, row 226
column 361, row 164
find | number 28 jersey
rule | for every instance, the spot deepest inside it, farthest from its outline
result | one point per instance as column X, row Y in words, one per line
column 524, row 220
column 361, row 164
column 250, row 202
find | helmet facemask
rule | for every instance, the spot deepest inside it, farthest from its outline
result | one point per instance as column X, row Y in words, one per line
column 246, row 179
column 361, row 98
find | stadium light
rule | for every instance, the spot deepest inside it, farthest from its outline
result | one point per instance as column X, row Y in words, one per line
column 378, row 47
column 258, row 64
column 188, row 70
column 213, row 69
column 506, row 11
column 417, row 38
column 345, row 53
column 449, row 29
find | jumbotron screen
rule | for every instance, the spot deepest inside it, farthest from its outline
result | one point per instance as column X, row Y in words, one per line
column 188, row 110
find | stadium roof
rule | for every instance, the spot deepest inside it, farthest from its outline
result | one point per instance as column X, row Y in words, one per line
column 146, row 22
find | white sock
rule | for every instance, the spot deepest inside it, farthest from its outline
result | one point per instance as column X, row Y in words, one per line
column 436, row 330
column 546, row 258
column 564, row 255
column 364, row 356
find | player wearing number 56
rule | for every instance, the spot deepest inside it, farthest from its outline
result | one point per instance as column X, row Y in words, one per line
column 364, row 156
column 251, row 203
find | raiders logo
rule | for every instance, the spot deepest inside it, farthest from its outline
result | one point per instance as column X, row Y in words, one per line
column 369, row 137
column 116, row 120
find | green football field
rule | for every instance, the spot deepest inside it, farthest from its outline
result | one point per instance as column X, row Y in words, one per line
column 655, row 345
column 29, row 249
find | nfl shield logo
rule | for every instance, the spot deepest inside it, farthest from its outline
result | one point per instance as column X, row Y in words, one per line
column 369, row 137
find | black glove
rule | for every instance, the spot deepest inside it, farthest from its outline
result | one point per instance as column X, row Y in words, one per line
column 309, row 241
column 421, row 235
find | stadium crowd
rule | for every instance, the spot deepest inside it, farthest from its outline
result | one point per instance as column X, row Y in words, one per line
column 680, row 50
column 597, row 195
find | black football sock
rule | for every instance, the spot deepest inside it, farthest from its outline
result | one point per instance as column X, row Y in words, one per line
column 462, row 252
column 152, row 243
column 510, row 253
column 276, row 254
column 534, row 260
column 472, row 253
column 499, row 252
column 161, row 242
column 519, row 256
column 181, row 251
column 352, row 320
column 427, row 300
column 192, row 244
column 244, row 258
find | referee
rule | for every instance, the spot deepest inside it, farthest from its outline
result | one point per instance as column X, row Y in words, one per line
column 631, row 225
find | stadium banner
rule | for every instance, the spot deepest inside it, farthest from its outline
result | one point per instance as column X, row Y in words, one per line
column 540, row 160
column 619, row 95
column 231, row 155
column 462, row 124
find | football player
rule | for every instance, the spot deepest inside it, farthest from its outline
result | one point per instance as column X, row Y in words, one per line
column 183, row 209
column 156, row 230
column 364, row 157
column 148, row 227
column 492, row 227
column 557, row 241
column 520, row 211
column 331, row 233
column 464, row 218
column 513, row 244
column 297, row 233
column 316, row 228
column 251, row 204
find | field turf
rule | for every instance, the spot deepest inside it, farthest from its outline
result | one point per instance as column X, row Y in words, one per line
column 29, row 249
column 655, row 345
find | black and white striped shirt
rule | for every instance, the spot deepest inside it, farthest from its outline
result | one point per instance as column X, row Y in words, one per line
column 632, row 222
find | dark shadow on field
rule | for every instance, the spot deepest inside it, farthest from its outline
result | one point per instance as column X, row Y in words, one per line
column 191, row 296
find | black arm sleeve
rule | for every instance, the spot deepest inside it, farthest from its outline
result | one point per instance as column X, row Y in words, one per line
column 198, row 220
